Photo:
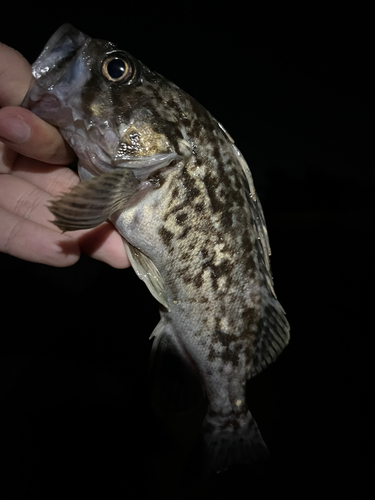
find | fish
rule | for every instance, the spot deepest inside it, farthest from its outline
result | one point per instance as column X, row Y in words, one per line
column 170, row 178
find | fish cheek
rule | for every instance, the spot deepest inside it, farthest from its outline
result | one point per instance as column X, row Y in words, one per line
column 101, row 99
column 95, row 99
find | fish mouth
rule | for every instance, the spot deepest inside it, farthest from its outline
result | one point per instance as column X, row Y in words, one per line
column 58, row 60
column 59, row 71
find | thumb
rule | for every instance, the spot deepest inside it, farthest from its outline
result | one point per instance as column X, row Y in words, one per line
column 31, row 136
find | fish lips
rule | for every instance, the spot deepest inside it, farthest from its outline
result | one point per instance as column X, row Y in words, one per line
column 65, row 45
column 60, row 68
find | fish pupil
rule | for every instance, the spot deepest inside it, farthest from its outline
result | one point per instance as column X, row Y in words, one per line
column 116, row 68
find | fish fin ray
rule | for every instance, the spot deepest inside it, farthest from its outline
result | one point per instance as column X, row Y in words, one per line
column 175, row 385
column 273, row 328
column 92, row 202
column 147, row 272
column 256, row 209
column 225, row 448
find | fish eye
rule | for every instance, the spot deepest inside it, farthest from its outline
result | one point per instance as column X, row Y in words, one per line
column 117, row 69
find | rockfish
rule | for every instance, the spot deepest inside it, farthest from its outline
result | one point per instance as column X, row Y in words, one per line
column 169, row 177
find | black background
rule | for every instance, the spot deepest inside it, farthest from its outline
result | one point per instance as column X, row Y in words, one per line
column 293, row 89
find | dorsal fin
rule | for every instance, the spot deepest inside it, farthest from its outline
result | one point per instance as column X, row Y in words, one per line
column 256, row 208
column 273, row 330
column 255, row 205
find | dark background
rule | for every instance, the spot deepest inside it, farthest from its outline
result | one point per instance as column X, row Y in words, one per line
column 294, row 90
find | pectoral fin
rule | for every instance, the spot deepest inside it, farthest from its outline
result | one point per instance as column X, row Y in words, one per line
column 92, row 202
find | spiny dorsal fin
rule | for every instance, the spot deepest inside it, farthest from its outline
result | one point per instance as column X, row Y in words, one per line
column 273, row 330
column 256, row 207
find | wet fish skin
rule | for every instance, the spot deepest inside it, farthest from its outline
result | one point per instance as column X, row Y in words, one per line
column 189, row 215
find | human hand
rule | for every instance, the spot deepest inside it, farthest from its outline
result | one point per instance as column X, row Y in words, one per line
column 32, row 173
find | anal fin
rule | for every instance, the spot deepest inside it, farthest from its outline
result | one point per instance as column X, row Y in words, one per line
column 176, row 386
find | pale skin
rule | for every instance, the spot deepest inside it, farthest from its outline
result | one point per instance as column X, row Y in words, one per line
column 33, row 171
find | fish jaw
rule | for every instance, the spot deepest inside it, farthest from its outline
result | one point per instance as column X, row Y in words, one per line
column 59, row 74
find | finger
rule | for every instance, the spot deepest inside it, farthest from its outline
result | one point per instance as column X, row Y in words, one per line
column 7, row 159
column 15, row 76
column 25, row 200
column 103, row 243
column 31, row 136
column 30, row 241
column 33, row 242
column 54, row 180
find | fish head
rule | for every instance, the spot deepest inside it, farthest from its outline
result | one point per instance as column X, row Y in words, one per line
column 106, row 103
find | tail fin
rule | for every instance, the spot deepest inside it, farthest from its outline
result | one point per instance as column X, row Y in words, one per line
column 227, row 445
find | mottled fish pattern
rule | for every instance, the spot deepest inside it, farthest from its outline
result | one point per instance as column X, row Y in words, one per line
column 171, row 180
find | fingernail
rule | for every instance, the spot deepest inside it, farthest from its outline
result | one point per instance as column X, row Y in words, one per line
column 14, row 130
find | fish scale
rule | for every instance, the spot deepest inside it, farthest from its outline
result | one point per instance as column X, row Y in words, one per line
column 170, row 178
